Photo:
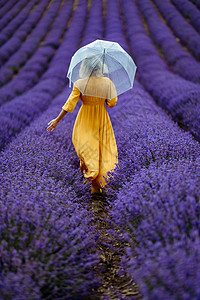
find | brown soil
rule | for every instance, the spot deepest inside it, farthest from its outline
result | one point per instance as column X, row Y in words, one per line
column 114, row 286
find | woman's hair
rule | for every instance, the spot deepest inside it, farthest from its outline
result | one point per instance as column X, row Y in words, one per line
column 92, row 66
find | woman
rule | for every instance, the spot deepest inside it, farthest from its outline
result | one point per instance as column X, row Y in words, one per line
column 93, row 137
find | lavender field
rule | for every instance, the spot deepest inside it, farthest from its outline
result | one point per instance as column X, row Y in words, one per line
column 142, row 239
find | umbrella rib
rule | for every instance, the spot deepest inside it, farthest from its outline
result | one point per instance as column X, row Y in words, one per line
column 119, row 63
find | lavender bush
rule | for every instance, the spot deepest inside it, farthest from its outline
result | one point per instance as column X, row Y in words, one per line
column 155, row 200
column 47, row 241
column 159, row 209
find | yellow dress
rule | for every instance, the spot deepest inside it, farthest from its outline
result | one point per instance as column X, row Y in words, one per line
column 93, row 137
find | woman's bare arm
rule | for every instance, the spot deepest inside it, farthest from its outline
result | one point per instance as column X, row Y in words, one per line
column 61, row 115
column 53, row 123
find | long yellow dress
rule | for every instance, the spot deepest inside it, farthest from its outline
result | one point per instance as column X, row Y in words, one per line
column 93, row 137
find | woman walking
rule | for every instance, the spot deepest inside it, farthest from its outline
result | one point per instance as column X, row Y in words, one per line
column 93, row 137
column 100, row 71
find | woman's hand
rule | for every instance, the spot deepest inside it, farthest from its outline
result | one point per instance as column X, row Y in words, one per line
column 52, row 125
column 112, row 102
column 107, row 102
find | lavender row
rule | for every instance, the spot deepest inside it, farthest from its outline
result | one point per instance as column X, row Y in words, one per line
column 22, row 32
column 54, row 189
column 146, row 135
column 180, row 61
column 151, row 146
column 114, row 31
column 5, row 9
column 2, row 4
column 10, row 29
column 12, row 13
column 174, row 94
column 46, row 227
column 94, row 28
column 30, row 74
column 29, row 47
column 159, row 209
column 180, row 26
column 154, row 198
column 196, row 2
column 189, row 11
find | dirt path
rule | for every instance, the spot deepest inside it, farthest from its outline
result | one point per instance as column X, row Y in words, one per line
column 114, row 286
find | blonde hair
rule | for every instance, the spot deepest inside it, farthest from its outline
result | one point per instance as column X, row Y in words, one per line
column 92, row 66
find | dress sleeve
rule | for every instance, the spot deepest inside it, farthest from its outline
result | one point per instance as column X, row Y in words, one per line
column 72, row 100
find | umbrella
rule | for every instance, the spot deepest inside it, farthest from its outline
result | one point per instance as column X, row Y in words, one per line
column 102, row 69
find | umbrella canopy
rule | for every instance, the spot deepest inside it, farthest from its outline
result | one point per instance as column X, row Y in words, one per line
column 102, row 69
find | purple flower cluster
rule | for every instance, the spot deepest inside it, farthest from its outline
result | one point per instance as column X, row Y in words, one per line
column 189, row 11
column 180, row 61
column 182, row 29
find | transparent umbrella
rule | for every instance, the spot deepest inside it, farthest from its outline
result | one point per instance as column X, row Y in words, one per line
column 102, row 69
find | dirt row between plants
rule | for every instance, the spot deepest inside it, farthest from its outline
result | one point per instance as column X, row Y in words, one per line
column 115, row 286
